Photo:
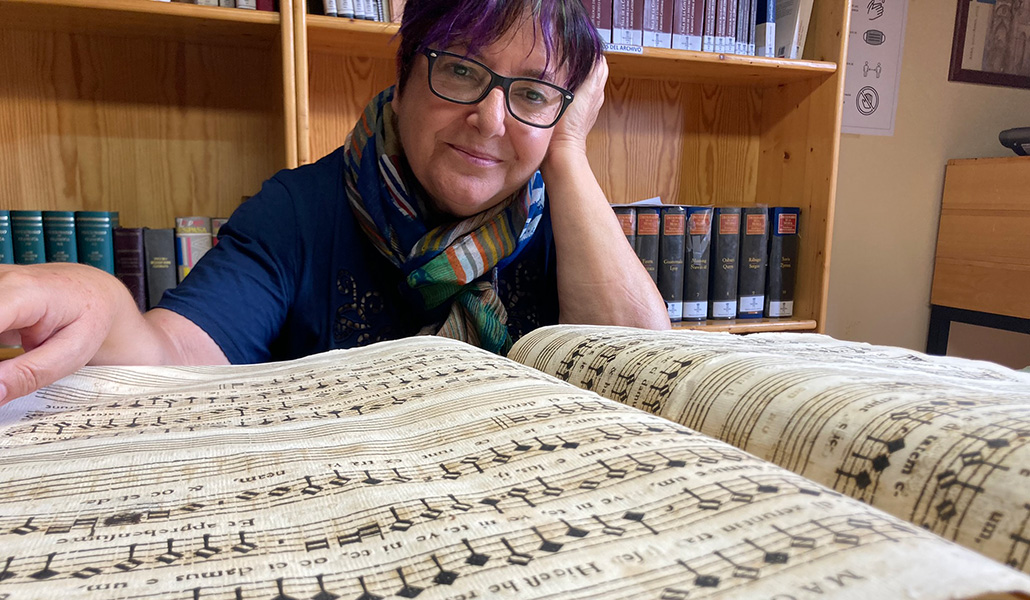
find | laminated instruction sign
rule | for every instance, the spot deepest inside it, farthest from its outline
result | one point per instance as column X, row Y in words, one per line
column 874, row 66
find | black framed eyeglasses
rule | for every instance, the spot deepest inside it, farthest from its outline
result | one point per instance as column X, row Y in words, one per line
column 462, row 80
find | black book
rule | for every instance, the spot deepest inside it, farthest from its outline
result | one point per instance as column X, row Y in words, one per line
column 697, row 249
column 648, row 225
column 754, row 254
column 670, row 260
column 159, row 263
column 722, row 286
column 128, row 262
column 783, row 261
column 627, row 216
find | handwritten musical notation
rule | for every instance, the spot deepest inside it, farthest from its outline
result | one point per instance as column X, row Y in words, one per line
column 423, row 468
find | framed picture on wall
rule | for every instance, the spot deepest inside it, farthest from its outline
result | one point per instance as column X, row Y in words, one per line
column 992, row 43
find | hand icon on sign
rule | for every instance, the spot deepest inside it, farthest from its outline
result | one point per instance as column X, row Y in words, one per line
column 875, row 9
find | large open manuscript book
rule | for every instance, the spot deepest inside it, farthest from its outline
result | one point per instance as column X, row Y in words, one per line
column 428, row 468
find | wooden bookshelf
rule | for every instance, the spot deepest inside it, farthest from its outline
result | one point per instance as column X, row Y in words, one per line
column 174, row 109
column 153, row 109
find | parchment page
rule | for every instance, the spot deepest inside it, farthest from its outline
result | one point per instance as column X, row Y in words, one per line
column 940, row 442
column 423, row 468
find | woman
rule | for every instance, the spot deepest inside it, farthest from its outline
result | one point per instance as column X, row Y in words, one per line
column 430, row 219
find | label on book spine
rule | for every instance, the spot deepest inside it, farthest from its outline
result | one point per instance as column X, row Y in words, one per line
column 779, row 308
column 695, row 311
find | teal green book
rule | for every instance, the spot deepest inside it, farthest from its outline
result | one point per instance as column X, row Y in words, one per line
column 95, row 236
column 6, row 243
column 27, row 231
column 59, row 236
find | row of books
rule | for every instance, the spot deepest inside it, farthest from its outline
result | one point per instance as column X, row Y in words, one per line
column 383, row 11
column 748, row 27
column 266, row 5
column 148, row 261
column 717, row 262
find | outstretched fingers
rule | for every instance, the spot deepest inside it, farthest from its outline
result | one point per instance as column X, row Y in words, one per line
column 61, row 353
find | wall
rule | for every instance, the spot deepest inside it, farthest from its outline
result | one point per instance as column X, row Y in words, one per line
column 889, row 187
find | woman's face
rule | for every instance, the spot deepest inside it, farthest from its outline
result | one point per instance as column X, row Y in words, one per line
column 471, row 157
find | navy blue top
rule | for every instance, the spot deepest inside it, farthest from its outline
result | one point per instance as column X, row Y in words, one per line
column 292, row 274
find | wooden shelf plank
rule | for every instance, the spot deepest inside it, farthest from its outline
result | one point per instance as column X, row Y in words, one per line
column 376, row 40
column 332, row 35
column 144, row 18
column 749, row 325
column 709, row 67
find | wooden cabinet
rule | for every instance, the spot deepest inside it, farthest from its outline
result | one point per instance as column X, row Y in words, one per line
column 159, row 110
column 981, row 272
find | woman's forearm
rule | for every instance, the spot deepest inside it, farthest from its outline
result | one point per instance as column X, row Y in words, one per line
column 600, row 279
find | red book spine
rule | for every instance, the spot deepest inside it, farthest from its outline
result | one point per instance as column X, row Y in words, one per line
column 708, row 26
column 600, row 12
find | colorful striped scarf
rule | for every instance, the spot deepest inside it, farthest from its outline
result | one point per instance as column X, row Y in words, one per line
column 449, row 264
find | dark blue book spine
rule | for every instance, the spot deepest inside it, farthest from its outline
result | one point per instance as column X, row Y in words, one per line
column 6, row 242
column 649, row 220
column 697, row 253
column 722, row 285
column 59, row 236
column 754, row 258
column 96, row 239
column 27, row 231
column 783, row 261
column 159, row 258
column 670, row 260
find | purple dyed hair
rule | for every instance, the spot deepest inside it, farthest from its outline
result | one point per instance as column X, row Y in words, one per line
column 568, row 35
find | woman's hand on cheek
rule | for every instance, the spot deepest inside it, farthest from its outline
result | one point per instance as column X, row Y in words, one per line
column 571, row 131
